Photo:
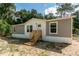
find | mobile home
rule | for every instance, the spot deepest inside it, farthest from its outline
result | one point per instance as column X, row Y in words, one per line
column 54, row 30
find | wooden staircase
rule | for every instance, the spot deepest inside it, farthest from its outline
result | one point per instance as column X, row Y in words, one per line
column 35, row 36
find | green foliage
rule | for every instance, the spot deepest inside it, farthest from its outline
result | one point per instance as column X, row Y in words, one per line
column 76, row 31
column 63, row 8
column 76, row 23
column 50, row 16
column 39, row 16
column 76, row 20
column 34, row 13
column 23, row 16
column 5, row 28
column 7, row 11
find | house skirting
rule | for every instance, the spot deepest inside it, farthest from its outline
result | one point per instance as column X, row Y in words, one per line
column 19, row 35
column 58, row 39
column 47, row 38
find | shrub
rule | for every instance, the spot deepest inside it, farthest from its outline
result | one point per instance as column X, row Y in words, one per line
column 5, row 28
column 76, row 31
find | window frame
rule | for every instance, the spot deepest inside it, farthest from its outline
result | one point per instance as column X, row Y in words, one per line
column 56, row 27
column 39, row 25
column 29, row 28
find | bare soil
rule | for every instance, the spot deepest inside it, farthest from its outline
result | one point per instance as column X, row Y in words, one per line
column 16, row 47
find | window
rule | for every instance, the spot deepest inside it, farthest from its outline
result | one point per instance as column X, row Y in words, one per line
column 29, row 28
column 18, row 29
column 14, row 29
column 39, row 25
column 53, row 27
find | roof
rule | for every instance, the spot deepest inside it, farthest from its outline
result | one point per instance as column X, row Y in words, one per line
column 68, row 17
column 18, row 24
column 35, row 19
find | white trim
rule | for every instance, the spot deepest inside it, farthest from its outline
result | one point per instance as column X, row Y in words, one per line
column 71, row 28
column 25, row 29
column 29, row 27
column 56, row 27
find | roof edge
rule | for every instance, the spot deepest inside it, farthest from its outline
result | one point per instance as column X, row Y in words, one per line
column 62, row 18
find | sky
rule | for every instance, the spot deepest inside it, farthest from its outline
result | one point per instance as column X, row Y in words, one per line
column 44, row 8
column 40, row 7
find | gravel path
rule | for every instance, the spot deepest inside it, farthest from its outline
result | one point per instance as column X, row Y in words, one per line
column 14, row 47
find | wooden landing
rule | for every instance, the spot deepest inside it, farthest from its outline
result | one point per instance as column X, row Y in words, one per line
column 36, row 35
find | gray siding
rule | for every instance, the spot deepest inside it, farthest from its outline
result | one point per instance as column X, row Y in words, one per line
column 18, row 29
column 64, row 28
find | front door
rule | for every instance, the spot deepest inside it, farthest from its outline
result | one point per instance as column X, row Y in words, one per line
column 29, row 29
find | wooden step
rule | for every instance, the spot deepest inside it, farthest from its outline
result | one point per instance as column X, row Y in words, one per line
column 35, row 36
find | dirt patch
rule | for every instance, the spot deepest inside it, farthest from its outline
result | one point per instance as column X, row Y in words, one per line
column 16, row 47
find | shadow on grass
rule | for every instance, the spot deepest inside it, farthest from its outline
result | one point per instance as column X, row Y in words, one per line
column 50, row 46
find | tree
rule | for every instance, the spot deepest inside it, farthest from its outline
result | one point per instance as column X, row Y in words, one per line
column 22, row 16
column 76, row 19
column 33, row 13
column 50, row 16
column 5, row 28
column 39, row 16
column 6, row 17
column 7, row 11
column 64, row 8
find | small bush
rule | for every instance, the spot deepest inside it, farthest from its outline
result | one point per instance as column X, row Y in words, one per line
column 5, row 28
column 76, row 31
